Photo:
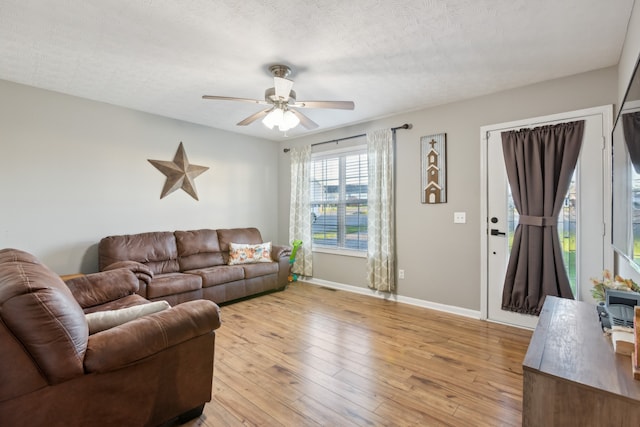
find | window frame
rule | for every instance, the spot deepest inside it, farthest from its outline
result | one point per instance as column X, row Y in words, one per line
column 359, row 148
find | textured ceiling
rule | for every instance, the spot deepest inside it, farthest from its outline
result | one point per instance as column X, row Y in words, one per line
column 161, row 56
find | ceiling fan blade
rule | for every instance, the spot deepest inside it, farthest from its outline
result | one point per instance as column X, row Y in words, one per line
column 230, row 98
column 283, row 87
column 339, row 105
column 304, row 120
column 252, row 118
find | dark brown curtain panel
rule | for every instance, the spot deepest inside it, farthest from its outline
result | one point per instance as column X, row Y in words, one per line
column 539, row 163
column 631, row 129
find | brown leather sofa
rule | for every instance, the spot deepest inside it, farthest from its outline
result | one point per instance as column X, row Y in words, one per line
column 189, row 265
column 144, row 372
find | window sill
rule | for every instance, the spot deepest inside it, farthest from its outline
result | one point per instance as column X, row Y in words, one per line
column 342, row 252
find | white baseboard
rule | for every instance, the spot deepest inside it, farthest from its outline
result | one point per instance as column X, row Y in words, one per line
column 474, row 314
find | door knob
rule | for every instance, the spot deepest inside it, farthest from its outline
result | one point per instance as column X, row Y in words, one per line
column 496, row 232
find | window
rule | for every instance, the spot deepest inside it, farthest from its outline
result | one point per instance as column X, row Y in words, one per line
column 339, row 199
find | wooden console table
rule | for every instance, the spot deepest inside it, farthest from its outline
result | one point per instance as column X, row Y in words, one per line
column 572, row 377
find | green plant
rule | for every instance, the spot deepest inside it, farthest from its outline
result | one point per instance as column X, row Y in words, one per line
column 609, row 281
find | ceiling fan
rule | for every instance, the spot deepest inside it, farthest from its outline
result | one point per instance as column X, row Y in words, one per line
column 282, row 103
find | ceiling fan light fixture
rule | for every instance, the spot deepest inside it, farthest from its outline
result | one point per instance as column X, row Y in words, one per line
column 281, row 104
column 274, row 118
column 284, row 120
column 289, row 120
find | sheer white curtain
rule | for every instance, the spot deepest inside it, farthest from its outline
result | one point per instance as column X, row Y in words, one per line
column 381, row 253
column 300, row 209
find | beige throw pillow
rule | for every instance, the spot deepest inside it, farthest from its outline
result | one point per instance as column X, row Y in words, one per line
column 103, row 320
column 240, row 253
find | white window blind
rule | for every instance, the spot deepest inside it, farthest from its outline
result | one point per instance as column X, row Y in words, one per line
column 339, row 199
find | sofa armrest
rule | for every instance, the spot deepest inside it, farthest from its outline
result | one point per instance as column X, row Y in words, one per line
column 278, row 252
column 141, row 271
column 99, row 288
column 281, row 255
column 133, row 341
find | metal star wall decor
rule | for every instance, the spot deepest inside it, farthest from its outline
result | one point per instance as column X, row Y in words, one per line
column 179, row 173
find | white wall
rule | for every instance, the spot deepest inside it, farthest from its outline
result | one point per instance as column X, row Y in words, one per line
column 630, row 52
column 442, row 259
column 73, row 171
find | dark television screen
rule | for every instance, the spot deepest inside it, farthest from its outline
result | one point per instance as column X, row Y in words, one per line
column 626, row 175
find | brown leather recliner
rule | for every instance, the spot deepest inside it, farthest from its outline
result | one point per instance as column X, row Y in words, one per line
column 144, row 372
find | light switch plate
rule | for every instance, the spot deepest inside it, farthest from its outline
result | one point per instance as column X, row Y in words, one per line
column 459, row 217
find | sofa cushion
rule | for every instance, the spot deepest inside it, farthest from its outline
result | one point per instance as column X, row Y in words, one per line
column 124, row 302
column 157, row 250
column 198, row 249
column 218, row 275
column 103, row 320
column 259, row 269
column 173, row 283
column 237, row 235
column 240, row 253
column 100, row 288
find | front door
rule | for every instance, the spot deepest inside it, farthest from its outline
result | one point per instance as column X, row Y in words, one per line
column 583, row 235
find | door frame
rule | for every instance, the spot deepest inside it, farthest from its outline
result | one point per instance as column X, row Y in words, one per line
column 607, row 128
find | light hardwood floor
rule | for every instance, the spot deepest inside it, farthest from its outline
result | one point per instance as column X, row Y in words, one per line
column 315, row 356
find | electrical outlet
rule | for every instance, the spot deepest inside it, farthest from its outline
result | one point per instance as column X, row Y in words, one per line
column 401, row 274
column 459, row 217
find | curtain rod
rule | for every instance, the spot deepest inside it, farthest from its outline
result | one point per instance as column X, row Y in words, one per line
column 404, row 126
